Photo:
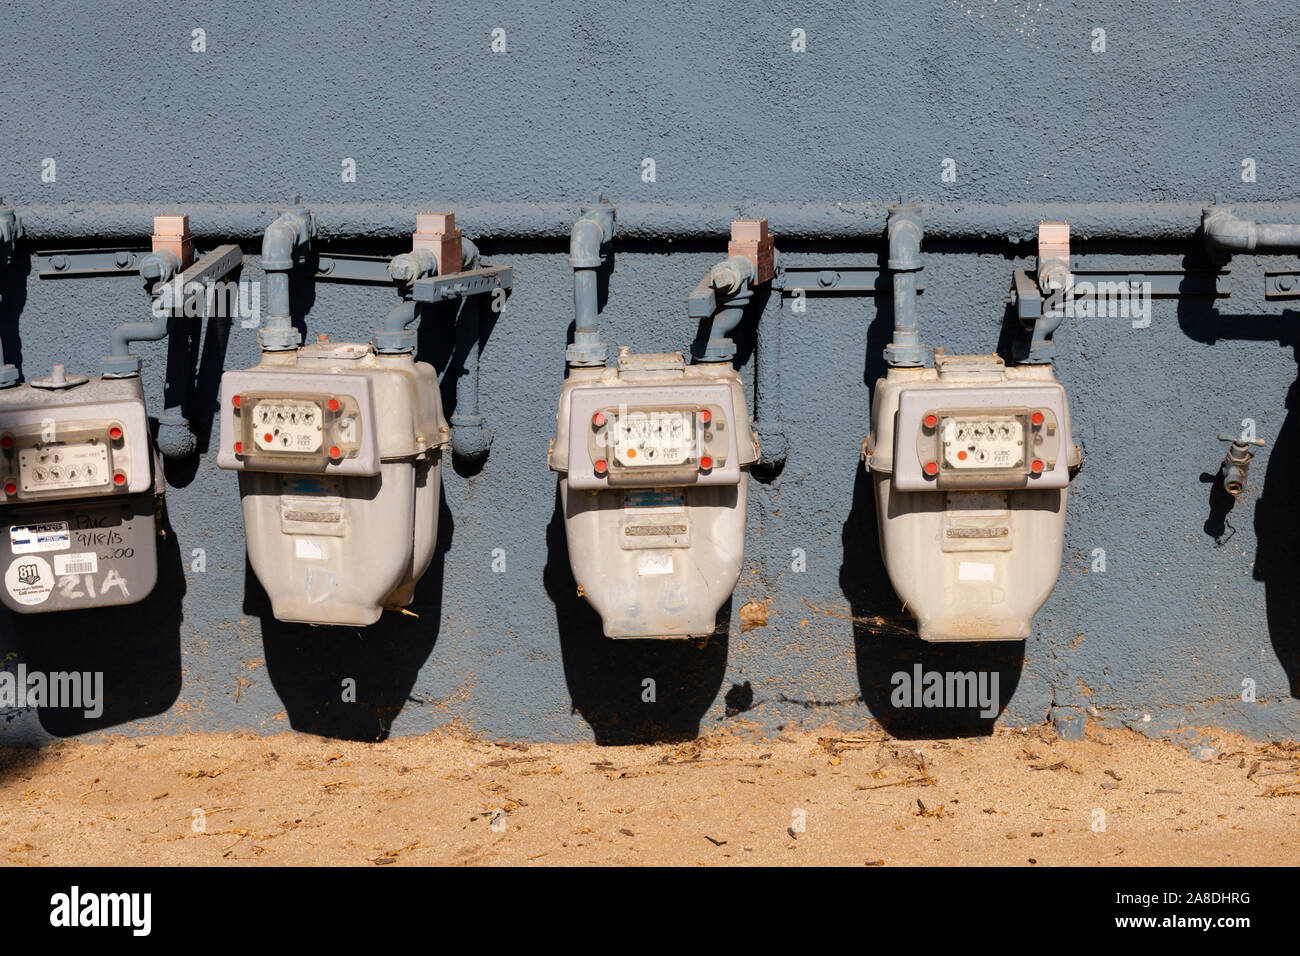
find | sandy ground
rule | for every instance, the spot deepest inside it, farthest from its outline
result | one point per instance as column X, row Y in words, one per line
column 1018, row 797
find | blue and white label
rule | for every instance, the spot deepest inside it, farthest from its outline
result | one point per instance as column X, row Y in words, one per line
column 34, row 538
column 654, row 499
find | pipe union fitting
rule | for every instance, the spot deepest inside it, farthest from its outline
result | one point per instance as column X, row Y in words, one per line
column 119, row 366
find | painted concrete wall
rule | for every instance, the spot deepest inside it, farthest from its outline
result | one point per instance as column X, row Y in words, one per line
column 1193, row 600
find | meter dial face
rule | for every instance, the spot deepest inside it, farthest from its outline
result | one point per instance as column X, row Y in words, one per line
column 646, row 439
column 286, row 425
column 970, row 443
column 62, row 466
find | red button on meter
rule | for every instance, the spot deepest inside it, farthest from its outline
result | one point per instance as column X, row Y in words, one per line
column 932, row 468
column 115, row 432
column 931, row 421
column 6, row 441
column 333, row 405
column 1036, row 466
column 706, row 463
column 10, row 487
column 239, row 448
column 1036, row 418
column 235, row 401
column 334, row 452
column 601, row 466
column 705, row 415
column 268, row 438
column 119, row 478
column 598, row 419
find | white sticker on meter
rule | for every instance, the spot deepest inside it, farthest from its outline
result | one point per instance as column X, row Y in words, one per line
column 34, row 538
column 55, row 467
column 311, row 549
column 983, row 442
column 654, row 564
column 645, row 439
column 84, row 563
column 975, row 571
column 29, row 580
column 287, row 426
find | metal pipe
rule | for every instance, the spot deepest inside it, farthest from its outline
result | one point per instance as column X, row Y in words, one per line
column 733, row 283
column 157, row 269
column 168, row 288
column 1017, row 222
column 1226, row 233
column 285, row 241
column 904, row 231
column 394, row 335
column 470, row 436
column 589, row 235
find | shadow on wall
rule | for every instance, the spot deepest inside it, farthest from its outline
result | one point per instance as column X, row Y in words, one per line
column 308, row 663
column 1276, row 519
column 136, row 647
column 884, row 636
column 193, row 381
column 886, row 645
column 1277, row 534
column 606, row 676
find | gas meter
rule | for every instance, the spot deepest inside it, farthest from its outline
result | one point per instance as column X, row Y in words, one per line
column 971, row 463
column 653, row 457
column 339, row 451
column 80, row 494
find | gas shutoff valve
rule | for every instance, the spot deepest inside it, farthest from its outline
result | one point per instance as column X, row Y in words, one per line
column 653, row 459
column 971, row 463
column 1236, row 463
column 81, row 488
column 339, row 451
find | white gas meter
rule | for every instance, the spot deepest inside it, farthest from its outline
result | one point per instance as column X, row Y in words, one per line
column 339, row 451
column 971, row 463
column 80, row 491
column 654, row 458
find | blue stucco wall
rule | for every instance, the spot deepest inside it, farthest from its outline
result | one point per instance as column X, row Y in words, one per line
column 1192, row 600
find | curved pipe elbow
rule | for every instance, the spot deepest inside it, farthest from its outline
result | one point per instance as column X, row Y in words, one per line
column 176, row 438
column 471, row 439
column 588, row 235
column 904, row 232
column 1228, row 233
column 277, row 246
column 400, row 316
column 469, row 256
column 731, row 276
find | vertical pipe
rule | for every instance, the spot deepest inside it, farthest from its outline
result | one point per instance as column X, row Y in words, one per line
column 284, row 241
column 904, row 231
column 590, row 233
column 767, row 383
column 470, row 436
